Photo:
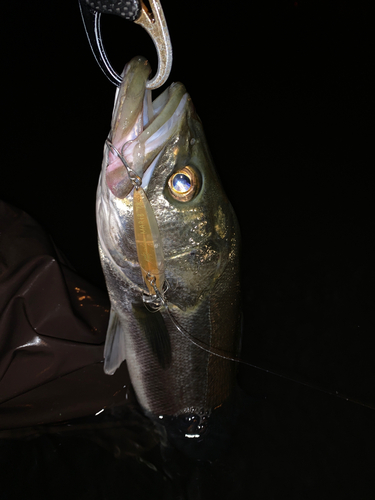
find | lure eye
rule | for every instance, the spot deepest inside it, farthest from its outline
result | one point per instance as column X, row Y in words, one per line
column 184, row 184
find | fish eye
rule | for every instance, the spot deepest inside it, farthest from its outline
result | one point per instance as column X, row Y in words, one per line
column 183, row 184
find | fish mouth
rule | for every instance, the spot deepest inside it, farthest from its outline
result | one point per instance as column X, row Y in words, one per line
column 140, row 127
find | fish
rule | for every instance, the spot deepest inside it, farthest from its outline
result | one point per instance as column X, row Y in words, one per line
column 180, row 330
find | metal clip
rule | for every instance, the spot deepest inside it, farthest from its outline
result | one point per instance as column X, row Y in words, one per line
column 156, row 27
column 153, row 22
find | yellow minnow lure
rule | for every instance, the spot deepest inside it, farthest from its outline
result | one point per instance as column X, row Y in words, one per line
column 146, row 231
column 148, row 241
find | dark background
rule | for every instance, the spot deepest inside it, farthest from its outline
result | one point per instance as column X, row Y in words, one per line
column 285, row 91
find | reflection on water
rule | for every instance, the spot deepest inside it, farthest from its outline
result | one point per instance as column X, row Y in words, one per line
column 117, row 454
column 295, row 443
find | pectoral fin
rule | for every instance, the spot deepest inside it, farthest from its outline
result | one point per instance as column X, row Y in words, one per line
column 156, row 333
column 114, row 348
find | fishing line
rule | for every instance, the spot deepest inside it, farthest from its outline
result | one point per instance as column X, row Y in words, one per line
column 133, row 176
column 219, row 353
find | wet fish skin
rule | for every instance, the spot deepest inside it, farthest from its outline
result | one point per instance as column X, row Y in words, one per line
column 201, row 243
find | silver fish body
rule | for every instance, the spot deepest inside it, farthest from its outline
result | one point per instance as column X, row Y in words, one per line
column 171, row 374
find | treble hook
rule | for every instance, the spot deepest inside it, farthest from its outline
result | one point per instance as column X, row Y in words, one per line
column 133, row 10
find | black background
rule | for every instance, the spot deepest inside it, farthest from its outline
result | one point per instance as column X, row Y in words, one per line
column 285, row 91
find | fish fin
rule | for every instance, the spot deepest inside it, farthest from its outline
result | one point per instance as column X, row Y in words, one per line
column 114, row 348
column 156, row 333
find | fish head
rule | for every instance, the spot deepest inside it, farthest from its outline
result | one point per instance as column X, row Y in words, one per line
column 175, row 373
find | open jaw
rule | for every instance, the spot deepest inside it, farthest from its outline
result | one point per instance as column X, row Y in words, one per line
column 140, row 128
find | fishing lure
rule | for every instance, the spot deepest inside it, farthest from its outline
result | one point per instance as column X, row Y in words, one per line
column 147, row 235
